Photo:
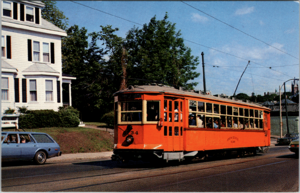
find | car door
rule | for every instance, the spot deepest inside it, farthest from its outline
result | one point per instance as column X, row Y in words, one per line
column 11, row 148
column 28, row 148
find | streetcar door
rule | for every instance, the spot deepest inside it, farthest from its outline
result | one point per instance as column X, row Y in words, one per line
column 173, row 124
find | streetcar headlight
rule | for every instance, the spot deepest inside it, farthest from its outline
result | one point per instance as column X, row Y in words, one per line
column 129, row 139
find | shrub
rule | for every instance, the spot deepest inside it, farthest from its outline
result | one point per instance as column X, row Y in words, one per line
column 22, row 110
column 9, row 111
column 67, row 117
column 108, row 118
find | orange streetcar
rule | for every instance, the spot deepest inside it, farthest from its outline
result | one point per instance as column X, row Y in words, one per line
column 161, row 122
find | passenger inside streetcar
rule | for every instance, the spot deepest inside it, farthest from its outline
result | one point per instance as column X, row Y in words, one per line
column 192, row 120
column 199, row 122
column 216, row 124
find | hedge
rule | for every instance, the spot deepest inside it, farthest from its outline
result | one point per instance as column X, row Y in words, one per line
column 108, row 118
column 65, row 117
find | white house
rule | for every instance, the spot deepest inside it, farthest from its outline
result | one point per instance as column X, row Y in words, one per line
column 31, row 58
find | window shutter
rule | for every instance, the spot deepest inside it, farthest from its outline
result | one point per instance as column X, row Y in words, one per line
column 37, row 15
column 8, row 46
column 29, row 50
column 58, row 91
column 24, row 91
column 52, row 53
column 17, row 95
column 15, row 10
column 22, row 7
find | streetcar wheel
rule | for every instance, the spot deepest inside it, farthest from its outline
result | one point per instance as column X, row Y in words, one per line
column 40, row 157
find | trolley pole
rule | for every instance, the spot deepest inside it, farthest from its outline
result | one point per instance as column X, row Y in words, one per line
column 203, row 68
column 286, row 114
column 241, row 78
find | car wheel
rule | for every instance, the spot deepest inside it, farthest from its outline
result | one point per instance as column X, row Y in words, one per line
column 40, row 157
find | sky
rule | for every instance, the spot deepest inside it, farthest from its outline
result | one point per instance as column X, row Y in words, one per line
column 229, row 33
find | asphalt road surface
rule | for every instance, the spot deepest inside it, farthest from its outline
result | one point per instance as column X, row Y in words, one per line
column 278, row 170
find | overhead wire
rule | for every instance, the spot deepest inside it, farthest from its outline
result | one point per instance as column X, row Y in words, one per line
column 183, row 38
column 238, row 30
column 245, row 72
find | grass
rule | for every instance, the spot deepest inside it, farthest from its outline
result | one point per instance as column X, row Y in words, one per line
column 78, row 139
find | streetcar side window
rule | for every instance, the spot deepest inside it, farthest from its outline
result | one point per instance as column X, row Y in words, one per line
column 200, row 120
column 201, row 106
column 229, row 110
column 241, row 112
column 192, row 120
column 152, row 110
column 208, row 107
column 216, row 109
column 261, row 115
column 235, row 111
column 223, row 109
column 246, row 112
column 192, row 105
column 209, row 122
column 223, row 121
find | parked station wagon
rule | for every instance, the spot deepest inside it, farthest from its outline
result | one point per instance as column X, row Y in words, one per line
column 28, row 146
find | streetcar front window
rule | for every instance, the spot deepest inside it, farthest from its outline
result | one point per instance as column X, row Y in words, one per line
column 131, row 111
column 152, row 110
column 131, row 106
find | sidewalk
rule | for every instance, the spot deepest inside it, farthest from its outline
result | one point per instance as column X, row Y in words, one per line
column 80, row 157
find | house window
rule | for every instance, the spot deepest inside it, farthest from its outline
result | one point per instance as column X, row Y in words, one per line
column 7, row 9
column 33, row 95
column 36, row 51
column 49, row 90
column 29, row 14
column 46, row 52
column 4, row 88
column 3, row 46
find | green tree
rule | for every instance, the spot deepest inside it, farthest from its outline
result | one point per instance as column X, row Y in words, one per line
column 95, row 79
column 52, row 14
column 156, row 52
column 242, row 96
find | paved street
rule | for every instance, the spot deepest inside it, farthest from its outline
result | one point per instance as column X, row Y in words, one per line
column 275, row 171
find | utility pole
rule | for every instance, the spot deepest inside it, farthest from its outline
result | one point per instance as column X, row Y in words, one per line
column 124, row 68
column 286, row 114
column 241, row 78
column 203, row 68
column 280, row 111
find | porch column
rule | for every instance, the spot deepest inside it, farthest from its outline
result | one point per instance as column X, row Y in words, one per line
column 70, row 94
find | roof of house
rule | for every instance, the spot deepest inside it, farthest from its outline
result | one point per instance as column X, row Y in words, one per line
column 5, row 64
column 267, row 103
column 40, row 67
column 44, row 24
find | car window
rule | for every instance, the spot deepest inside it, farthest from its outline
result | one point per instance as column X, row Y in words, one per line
column 42, row 138
column 11, row 138
column 26, row 138
column 3, row 136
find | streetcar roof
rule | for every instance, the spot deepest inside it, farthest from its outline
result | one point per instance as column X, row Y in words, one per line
column 171, row 90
